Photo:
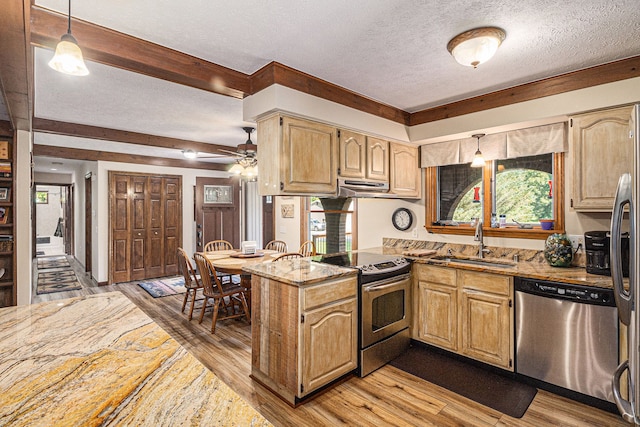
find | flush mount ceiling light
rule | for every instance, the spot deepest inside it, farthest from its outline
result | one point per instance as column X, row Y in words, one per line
column 476, row 46
column 478, row 160
column 68, row 57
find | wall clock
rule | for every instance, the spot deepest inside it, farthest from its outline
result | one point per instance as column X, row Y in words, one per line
column 402, row 219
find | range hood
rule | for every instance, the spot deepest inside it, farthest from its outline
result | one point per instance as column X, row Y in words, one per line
column 361, row 188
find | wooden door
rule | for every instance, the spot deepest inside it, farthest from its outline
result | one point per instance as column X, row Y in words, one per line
column 120, row 224
column 88, row 223
column 139, row 212
column 217, row 219
column 172, row 224
column 68, row 218
column 146, row 223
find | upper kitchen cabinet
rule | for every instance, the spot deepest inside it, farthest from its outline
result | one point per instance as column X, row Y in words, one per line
column 297, row 156
column 602, row 147
column 363, row 157
column 404, row 180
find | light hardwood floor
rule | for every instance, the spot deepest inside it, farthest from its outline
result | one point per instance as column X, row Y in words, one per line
column 387, row 397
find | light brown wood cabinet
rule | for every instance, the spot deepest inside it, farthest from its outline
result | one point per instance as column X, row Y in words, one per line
column 486, row 317
column 437, row 319
column 405, row 173
column 296, row 156
column 602, row 150
column 466, row 312
column 363, row 157
column 303, row 338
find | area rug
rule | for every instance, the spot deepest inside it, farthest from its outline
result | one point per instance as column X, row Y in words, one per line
column 480, row 385
column 164, row 287
column 56, row 275
column 57, row 281
column 53, row 262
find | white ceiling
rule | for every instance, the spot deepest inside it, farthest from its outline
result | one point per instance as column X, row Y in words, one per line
column 392, row 51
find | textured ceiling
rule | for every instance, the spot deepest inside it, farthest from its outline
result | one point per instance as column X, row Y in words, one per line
column 393, row 51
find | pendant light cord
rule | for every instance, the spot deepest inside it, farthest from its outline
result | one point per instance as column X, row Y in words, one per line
column 69, row 24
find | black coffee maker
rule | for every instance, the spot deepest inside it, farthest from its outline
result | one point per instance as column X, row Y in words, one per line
column 597, row 247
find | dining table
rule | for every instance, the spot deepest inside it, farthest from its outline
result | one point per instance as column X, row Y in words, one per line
column 233, row 260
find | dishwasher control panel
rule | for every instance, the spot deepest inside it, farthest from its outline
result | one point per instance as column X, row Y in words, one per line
column 586, row 294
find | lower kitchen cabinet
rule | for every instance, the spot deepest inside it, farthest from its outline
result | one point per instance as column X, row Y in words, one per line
column 483, row 328
column 303, row 338
column 437, row 290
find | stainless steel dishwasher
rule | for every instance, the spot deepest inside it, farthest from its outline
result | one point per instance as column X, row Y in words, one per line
column 567, row 335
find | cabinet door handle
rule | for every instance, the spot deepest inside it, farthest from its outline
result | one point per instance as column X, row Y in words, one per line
column 139, row 234
column 156, row 233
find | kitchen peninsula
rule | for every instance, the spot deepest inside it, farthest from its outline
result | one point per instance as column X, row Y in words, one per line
column 304, row 321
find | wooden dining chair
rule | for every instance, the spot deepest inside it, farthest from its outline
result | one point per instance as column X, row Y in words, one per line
column 287, row 255
column 277, row 245
column 307, row 249
column 191, row 280
column 218, row 245
column 221, row 245
column 229, row 301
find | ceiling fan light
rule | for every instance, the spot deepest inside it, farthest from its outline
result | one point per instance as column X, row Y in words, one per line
column 189, row 154
column 68, row 57
column 236, row 169
column 476, row 46
column 249, row 172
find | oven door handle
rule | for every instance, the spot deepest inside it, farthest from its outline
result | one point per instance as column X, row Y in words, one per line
column 381, row 287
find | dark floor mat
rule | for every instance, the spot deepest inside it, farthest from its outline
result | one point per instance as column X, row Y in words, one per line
column 480, row 385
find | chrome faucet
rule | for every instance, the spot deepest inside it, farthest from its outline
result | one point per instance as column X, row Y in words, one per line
column 479, row 237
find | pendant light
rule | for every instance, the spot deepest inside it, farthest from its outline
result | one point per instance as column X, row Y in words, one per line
column 478, row 160
column 68, row 57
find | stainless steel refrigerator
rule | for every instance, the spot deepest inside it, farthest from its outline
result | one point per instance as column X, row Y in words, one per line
column 627, row 295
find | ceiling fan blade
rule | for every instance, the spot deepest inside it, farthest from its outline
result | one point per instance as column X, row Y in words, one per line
column 233, row 153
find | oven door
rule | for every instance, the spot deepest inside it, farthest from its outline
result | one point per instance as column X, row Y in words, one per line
column 384, row 309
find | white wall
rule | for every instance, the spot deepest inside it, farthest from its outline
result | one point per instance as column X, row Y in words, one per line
column 287, row 229
column 101, row 205
column 22, row 219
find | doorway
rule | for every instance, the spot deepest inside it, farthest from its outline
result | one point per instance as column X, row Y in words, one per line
column 54, row 219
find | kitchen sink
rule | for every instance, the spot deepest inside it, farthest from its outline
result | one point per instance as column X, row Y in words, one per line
column 482, row 262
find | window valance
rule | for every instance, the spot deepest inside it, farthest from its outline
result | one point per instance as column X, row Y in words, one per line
column 504, row 145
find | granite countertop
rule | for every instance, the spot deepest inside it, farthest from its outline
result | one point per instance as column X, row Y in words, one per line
column 299, row 272
column 99, row 360
column 529, row 267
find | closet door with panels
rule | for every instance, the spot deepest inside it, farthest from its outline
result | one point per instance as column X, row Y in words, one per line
column 145, row 225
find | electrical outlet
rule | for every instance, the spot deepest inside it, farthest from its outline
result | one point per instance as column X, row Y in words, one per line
column 414, row 232
column 576, row 240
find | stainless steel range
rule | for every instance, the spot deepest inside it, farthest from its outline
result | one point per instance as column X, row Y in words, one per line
column 383, row 304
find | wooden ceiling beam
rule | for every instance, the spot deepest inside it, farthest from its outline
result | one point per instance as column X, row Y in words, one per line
column 606, row 73
column 276, row 73
column 93, row 155
column 120, row 50
column 16, row 62
column 106, row 134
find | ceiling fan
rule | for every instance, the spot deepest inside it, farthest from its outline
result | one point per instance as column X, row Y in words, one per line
column 246, row 150
column 243, row 151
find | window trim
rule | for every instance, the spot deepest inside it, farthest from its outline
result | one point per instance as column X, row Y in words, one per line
column 431, row 206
